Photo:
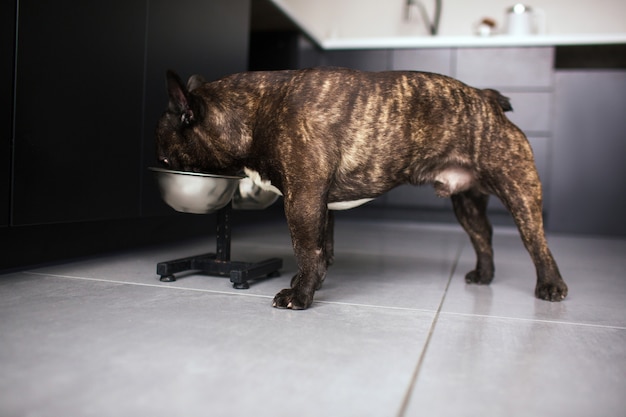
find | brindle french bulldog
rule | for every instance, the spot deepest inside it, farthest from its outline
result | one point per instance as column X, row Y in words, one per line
column 334, row 138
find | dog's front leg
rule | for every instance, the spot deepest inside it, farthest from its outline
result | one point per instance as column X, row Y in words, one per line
column 308, row 221
column 330, row 238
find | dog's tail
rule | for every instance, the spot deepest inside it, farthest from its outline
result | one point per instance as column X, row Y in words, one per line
column 503, row 102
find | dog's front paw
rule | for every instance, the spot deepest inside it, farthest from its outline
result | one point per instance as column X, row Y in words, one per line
column 292, row 299
column 551, row 291
column 479, row 277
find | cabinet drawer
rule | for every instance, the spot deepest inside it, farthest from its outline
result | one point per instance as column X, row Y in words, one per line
column 531, row 111
column 365, row 60
column 431, row 60
column 506, row 67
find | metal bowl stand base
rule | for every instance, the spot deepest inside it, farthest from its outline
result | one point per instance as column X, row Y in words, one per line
column 219, row 263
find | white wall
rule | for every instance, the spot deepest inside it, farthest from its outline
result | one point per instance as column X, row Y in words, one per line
column 325, row 19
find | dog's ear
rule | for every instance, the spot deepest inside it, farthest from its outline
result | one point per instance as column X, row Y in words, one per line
column 179, row 98
column 194, row 82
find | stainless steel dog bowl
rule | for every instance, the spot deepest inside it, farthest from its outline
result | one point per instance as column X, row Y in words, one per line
column 193, row 192
column 250, row 196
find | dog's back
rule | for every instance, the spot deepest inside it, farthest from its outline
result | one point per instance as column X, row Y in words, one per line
column 370, row 131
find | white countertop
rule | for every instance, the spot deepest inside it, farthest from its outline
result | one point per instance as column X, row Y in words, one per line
column 470, row 41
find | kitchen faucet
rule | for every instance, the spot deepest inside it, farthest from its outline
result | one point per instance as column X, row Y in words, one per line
column 412, row 6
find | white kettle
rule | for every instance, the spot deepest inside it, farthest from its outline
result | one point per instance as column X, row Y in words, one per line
column 521, row 20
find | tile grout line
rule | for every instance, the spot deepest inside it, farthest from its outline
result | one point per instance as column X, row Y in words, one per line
column 438, row 312
column 407, row 396
column 568, row 323
column 140, row 284
column 244, row 294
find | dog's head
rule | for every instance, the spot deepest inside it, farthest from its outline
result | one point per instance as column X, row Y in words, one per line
column 189, row 136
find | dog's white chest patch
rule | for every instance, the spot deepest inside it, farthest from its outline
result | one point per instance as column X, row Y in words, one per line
column 260, row 182
column 266, row 185
column 347, row 205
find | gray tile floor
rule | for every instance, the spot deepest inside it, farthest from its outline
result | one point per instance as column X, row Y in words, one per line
column 395, row 331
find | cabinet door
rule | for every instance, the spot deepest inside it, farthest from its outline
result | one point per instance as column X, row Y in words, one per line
column 506, row 68
column 434, row 60
column 532, row 111
column 588, row 170
column 364, row 60
column 7, row 50
column 78, row 110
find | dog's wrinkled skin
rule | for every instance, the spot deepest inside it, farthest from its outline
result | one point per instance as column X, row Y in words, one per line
column 324, row 136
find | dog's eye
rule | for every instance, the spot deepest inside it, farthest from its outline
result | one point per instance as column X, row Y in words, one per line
column 165, row 162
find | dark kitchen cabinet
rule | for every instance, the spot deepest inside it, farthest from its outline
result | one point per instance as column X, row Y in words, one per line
column 90, row 87
column 78, row 134
column 78, row 110
column 588, row 170
column 7, row 64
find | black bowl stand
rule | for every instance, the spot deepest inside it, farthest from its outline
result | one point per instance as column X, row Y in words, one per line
column 219, row 263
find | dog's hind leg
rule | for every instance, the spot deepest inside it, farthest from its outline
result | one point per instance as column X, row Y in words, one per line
column 470, row 208
column 519, row 190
